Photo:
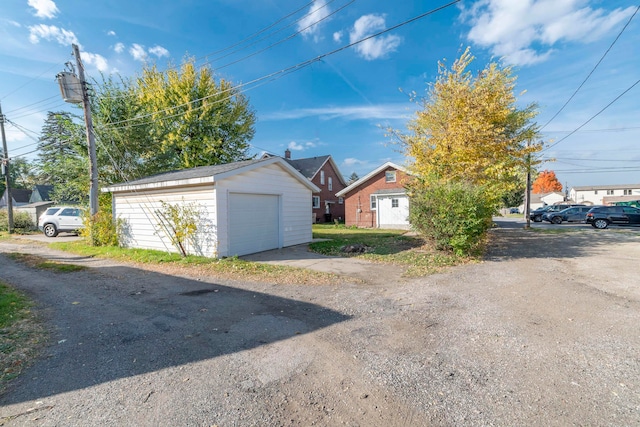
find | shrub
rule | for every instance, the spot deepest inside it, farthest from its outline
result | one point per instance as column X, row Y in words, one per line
column 100, row 229
column 454, row 215
column 22, row 221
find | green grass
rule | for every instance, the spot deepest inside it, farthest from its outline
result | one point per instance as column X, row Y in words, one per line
column 385, row 246
column 45, row 264
column 21, row 334
column 232, row 268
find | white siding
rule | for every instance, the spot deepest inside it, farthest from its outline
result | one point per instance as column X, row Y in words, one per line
column 137, row 210
column 390, row 217
column 295, row 218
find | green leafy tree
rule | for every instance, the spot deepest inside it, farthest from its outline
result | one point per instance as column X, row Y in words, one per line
column 63, row 157
column 198, row 120
column 23, row 173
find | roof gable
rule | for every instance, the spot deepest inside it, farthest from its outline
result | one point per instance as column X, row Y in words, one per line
column 370, row 175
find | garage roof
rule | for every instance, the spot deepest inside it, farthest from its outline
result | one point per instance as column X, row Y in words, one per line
column 206, row 174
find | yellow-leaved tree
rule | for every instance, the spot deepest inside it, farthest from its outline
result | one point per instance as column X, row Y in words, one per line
column 468, row 146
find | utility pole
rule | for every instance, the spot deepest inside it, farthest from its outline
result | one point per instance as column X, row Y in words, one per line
column 527, row 194
column 93, row 163
column 5, row 170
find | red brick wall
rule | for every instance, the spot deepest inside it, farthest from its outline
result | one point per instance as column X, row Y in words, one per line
column 336, row 209
column 357, row 202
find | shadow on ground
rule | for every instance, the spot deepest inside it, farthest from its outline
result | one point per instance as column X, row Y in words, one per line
column 115, row 322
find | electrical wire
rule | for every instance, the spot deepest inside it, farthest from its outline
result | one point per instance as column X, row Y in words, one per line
column 591, row 118
column 295, row 67
column 594, row 69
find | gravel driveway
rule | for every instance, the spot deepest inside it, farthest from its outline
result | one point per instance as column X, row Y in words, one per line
column 543, row 332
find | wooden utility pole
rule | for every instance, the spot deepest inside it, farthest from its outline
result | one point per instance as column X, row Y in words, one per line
column 527, row 194
column 5, row 164
column 93, row 163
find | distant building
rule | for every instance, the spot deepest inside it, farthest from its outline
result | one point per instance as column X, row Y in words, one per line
column 41, row 193
column 605, row 194
column 19, row 197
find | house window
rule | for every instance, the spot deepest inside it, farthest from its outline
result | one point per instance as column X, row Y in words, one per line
column 321, row 177
column 394, row 203
column 340, row 200
column 627, row 192
column 330, row 184
column 595, row 192
column 390, row 176
column 316, row 202
column 609, row 192
column 373, row 203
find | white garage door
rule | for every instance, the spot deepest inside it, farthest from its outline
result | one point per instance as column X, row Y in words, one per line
column 393, row 211
column 253, row 223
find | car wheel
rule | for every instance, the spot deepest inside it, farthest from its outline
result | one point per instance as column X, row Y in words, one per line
column 600, row 224
column 537, row 218
column 50, row 230
column 556, row 220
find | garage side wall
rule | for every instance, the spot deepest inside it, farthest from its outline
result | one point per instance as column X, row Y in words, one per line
column 140, row 223
column 294, row 222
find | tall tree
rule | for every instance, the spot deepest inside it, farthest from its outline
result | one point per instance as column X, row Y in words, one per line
column 470, row 129
column 63, row 159
column 23, row 174
column 353, row 178
column 546, row 182
column 198, row 120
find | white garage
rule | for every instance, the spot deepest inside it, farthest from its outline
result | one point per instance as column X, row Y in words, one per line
column 241, row 208
column 393, row 211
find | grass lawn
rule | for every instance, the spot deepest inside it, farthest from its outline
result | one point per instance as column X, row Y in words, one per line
column 20, row 334
column 390, row 246
column 229, row 268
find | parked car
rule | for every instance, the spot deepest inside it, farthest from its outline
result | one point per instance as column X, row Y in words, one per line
column 514, row 211
column 572, row 214
column 601, row 216
column 60, row 218
column 537, row 215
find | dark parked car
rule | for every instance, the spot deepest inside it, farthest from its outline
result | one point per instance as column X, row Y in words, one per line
column 602, row 216
column 572, row 214
column 538, row 214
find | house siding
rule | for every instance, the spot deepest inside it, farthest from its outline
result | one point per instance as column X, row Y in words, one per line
column 295, row 203
column 336, row 209
column 137, row 211
column 598, row 195
column 357, row 202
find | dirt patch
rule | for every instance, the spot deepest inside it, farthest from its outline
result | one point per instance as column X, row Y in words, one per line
column 542, row 332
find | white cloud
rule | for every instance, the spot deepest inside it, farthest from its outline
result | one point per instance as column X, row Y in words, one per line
column 295, row 146
column 376, row 47
column 15, row 24
column 44, row 8
column 357, row 112
column 111, row 33
column 118, row 48
column 523, row 32
column 337, row 36
column 51, row 32
column 159, row 51
column 138, row 52
column 352, row 162
column 96, row 60
column 309, row 25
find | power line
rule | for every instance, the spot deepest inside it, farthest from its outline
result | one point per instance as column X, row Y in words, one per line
column 592, row 117
column 277, row 74
column 594, row 69
column 56, row 65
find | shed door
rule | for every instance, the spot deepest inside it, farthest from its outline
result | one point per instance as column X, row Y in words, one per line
column 393, row 212
column 254, row 223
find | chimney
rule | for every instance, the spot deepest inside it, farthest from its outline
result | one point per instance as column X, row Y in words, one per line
column 287, row 154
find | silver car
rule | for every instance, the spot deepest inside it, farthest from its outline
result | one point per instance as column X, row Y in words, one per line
column 61, row 218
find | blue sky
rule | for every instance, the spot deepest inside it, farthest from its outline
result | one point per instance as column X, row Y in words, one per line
column 341, row 103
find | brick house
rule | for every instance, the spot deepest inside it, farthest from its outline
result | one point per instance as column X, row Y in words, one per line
column 323, row 172
column 379, row 199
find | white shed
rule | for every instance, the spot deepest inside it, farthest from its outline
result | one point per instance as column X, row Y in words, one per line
column 243, row 207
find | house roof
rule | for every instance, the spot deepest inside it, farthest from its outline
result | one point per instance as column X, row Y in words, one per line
column 43, row 190
column 310, row 166
column 20, row 195
column 606, row 187
column 207, row 174
column 368, row 176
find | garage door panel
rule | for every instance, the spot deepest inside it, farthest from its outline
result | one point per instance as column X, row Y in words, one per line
column 254, row 223
column 392, row 217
